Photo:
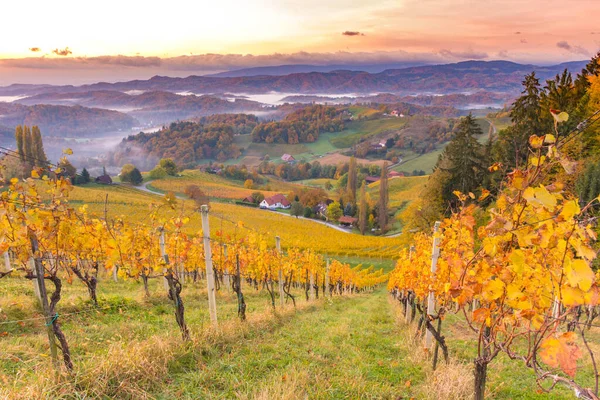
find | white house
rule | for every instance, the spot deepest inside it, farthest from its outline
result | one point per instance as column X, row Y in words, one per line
column 274, row 202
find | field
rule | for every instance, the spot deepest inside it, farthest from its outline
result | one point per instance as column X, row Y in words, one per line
column 358, row 130
column 349, row 347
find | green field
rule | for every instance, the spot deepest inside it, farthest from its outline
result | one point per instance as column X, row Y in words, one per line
column 357, row 130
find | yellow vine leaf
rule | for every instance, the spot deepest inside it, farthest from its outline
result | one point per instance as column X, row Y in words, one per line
column 493, row 289
column 561, row 352
column 579, row 273
column 536, row 142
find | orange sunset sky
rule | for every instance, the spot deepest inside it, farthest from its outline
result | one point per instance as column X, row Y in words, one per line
column 226, row 34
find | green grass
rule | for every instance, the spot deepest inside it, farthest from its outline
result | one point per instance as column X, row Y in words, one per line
column 424, row 162
column 357, row 130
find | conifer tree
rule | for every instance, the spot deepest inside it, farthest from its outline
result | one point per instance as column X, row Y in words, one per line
column 20, row 142
column 352, row 180
column 38, row 146
column 383, row 198
column 85, row 176
column 362, row 211
column 28, row 148
column 464, row 160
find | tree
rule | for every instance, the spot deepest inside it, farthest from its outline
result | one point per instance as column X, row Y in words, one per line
column 258, row 197
column 195, row 193
column 362, row 210
column 464, row 160
column 513, row 143
column 20, row 142
column 169, row 166
column 308, row 212
column 85, row 176
column 249, row 184
column 383, row 198
column 352, row 180
column 37, row 145
column 296, row 209
column 334, row 211
column 158, row 172
column 328, row 185
column 129, row 173
column 28, row 149
column 67, row 168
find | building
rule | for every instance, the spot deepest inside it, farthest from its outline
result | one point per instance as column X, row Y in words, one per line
column 321, row 208
column 288, row 158
column 394, row 174
column 348, row 221
column 274, row 202
column 104, row 180
column 371, row 179
column 248, row 199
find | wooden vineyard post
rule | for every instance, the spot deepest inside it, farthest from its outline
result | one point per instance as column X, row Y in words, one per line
column 327, row 292
column 43, row 297
column 312, row 286
column 210, row 272
column 435, row 253
column 114, row 273
column 163, row 253
column 7, row 266
column 226, row 277
column 280, row 277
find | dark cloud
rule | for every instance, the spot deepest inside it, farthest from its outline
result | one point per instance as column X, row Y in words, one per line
column 352, row 33
column 517, row 33
column 503, row 54
column 62, row 52
column 34, row 49
column 464, row 55
column 523, row 40
column 572, row 49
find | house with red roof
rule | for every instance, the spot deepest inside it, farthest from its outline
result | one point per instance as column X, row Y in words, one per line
column 274, row 202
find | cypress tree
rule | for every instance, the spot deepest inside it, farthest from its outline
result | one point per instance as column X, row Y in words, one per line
column 38, row 146
column 20, row 142
column 362, row 211
column 383, row 198
column 28, row 142
column 352, row 180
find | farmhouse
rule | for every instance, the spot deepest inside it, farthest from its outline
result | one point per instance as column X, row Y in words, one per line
column 274, row 202
column 371, row 179
column 347, row 221
column 104, row 180
column 288, row 158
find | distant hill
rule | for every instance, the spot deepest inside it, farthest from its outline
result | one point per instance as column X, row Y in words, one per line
column 65, row 121
column 152, row 106
column 280, row 70
column 494, row 76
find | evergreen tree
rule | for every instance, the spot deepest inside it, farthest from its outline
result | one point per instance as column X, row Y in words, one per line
column 464, row 160
column 85, row 176
column 513, row 143
column 129, row 173
column 352, row 180
column 37, row 146
column 28, row 144
column 362, row 211
column 383, row 198
column 20, row 142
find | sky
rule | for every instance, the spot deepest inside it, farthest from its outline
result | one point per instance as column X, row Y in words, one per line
column 83, row 41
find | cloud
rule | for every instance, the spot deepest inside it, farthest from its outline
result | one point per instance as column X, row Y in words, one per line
column 517, row 33
column 62, row 52
column 468, row 54
column 352, row 33
column 34, row 49
column 503, row 54
column 523, row 40
column 572, row 49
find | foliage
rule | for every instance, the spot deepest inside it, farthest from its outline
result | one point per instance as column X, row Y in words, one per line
column 301, row 126
column 169, row 166
column 130, row 174
column 334, row 211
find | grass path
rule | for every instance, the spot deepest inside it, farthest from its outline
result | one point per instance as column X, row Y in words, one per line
column 347, row 349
